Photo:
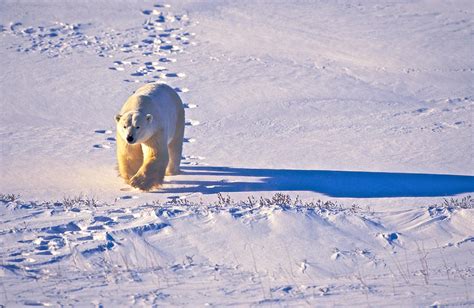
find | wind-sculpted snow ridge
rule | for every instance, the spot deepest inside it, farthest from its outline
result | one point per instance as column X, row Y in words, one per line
column 257, row 207
column 259, row 251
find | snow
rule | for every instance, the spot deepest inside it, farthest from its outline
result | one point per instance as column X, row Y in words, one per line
column 240, row 254
column 367, row 103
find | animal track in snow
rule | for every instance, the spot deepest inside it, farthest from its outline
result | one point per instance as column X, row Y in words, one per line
column 151, row 12
column 181, row 75
column 189, row 140
column 103, row 131
column 183, row 90
column 101, row 146
column 167, row 60
column 190, row 106
column 171, row 48
column 117, row 68
column 157, row 38
column 148, row 68
column 109, row 141
column 143, row 51
column 423, row 111
column 193, row 157
column 441, row 115
column 153, row 66
column 192, row 123
column 192, row 160
column 441, row 126
column 192, row 163
column 125, row 63
column 61, row 38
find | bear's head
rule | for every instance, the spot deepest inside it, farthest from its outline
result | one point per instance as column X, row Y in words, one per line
column 134, row 127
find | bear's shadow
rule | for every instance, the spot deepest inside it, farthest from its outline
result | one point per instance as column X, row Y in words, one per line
column 342, row 184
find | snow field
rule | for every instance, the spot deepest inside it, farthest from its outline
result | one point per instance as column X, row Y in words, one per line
column 362, row 110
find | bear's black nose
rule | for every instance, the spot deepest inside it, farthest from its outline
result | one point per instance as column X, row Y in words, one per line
column 129, row 138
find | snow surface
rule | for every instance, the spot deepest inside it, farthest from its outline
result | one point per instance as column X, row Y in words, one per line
column 367, row 103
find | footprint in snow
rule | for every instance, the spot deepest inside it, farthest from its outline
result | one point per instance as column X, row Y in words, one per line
column 36, row 303
column 152, row 41
column 423, row 111
column 138, row 74
column 15, row 25
column 170, row 48
column 190, row 106
column 183, row 90
column 193, row 157
column 149, row 67
column 151, row 12
column 125, row 63
column 167, row 59
column 155, row 66
column 174, row 75
column 184, row 40
column 191, row 160
column 192, row 123
column 117, row 68
column 191, row 163
column 101, row 146
column 103, row 131
column 108, row 141
column 189, row 34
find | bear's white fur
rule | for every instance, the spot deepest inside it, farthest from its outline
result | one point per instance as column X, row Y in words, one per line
column 153, row 121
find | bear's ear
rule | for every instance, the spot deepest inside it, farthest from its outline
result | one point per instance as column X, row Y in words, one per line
column 149, row 118
column 117, row 117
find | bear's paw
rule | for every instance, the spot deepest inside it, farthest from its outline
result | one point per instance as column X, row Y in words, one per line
column 142, row 182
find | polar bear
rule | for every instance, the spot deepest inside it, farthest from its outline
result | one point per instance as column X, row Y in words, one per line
column 150, row 129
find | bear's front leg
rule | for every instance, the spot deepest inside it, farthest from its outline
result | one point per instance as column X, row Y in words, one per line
column 152, row 173
column 129, row 157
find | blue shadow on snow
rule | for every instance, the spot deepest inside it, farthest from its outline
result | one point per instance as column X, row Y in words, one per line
column 342, row 184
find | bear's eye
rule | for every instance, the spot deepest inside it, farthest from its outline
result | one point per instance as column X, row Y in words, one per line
column 137, row 127
column 125, row 127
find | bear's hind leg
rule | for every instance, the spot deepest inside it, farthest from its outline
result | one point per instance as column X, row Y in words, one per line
column 175, row 148
column 129, row 157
